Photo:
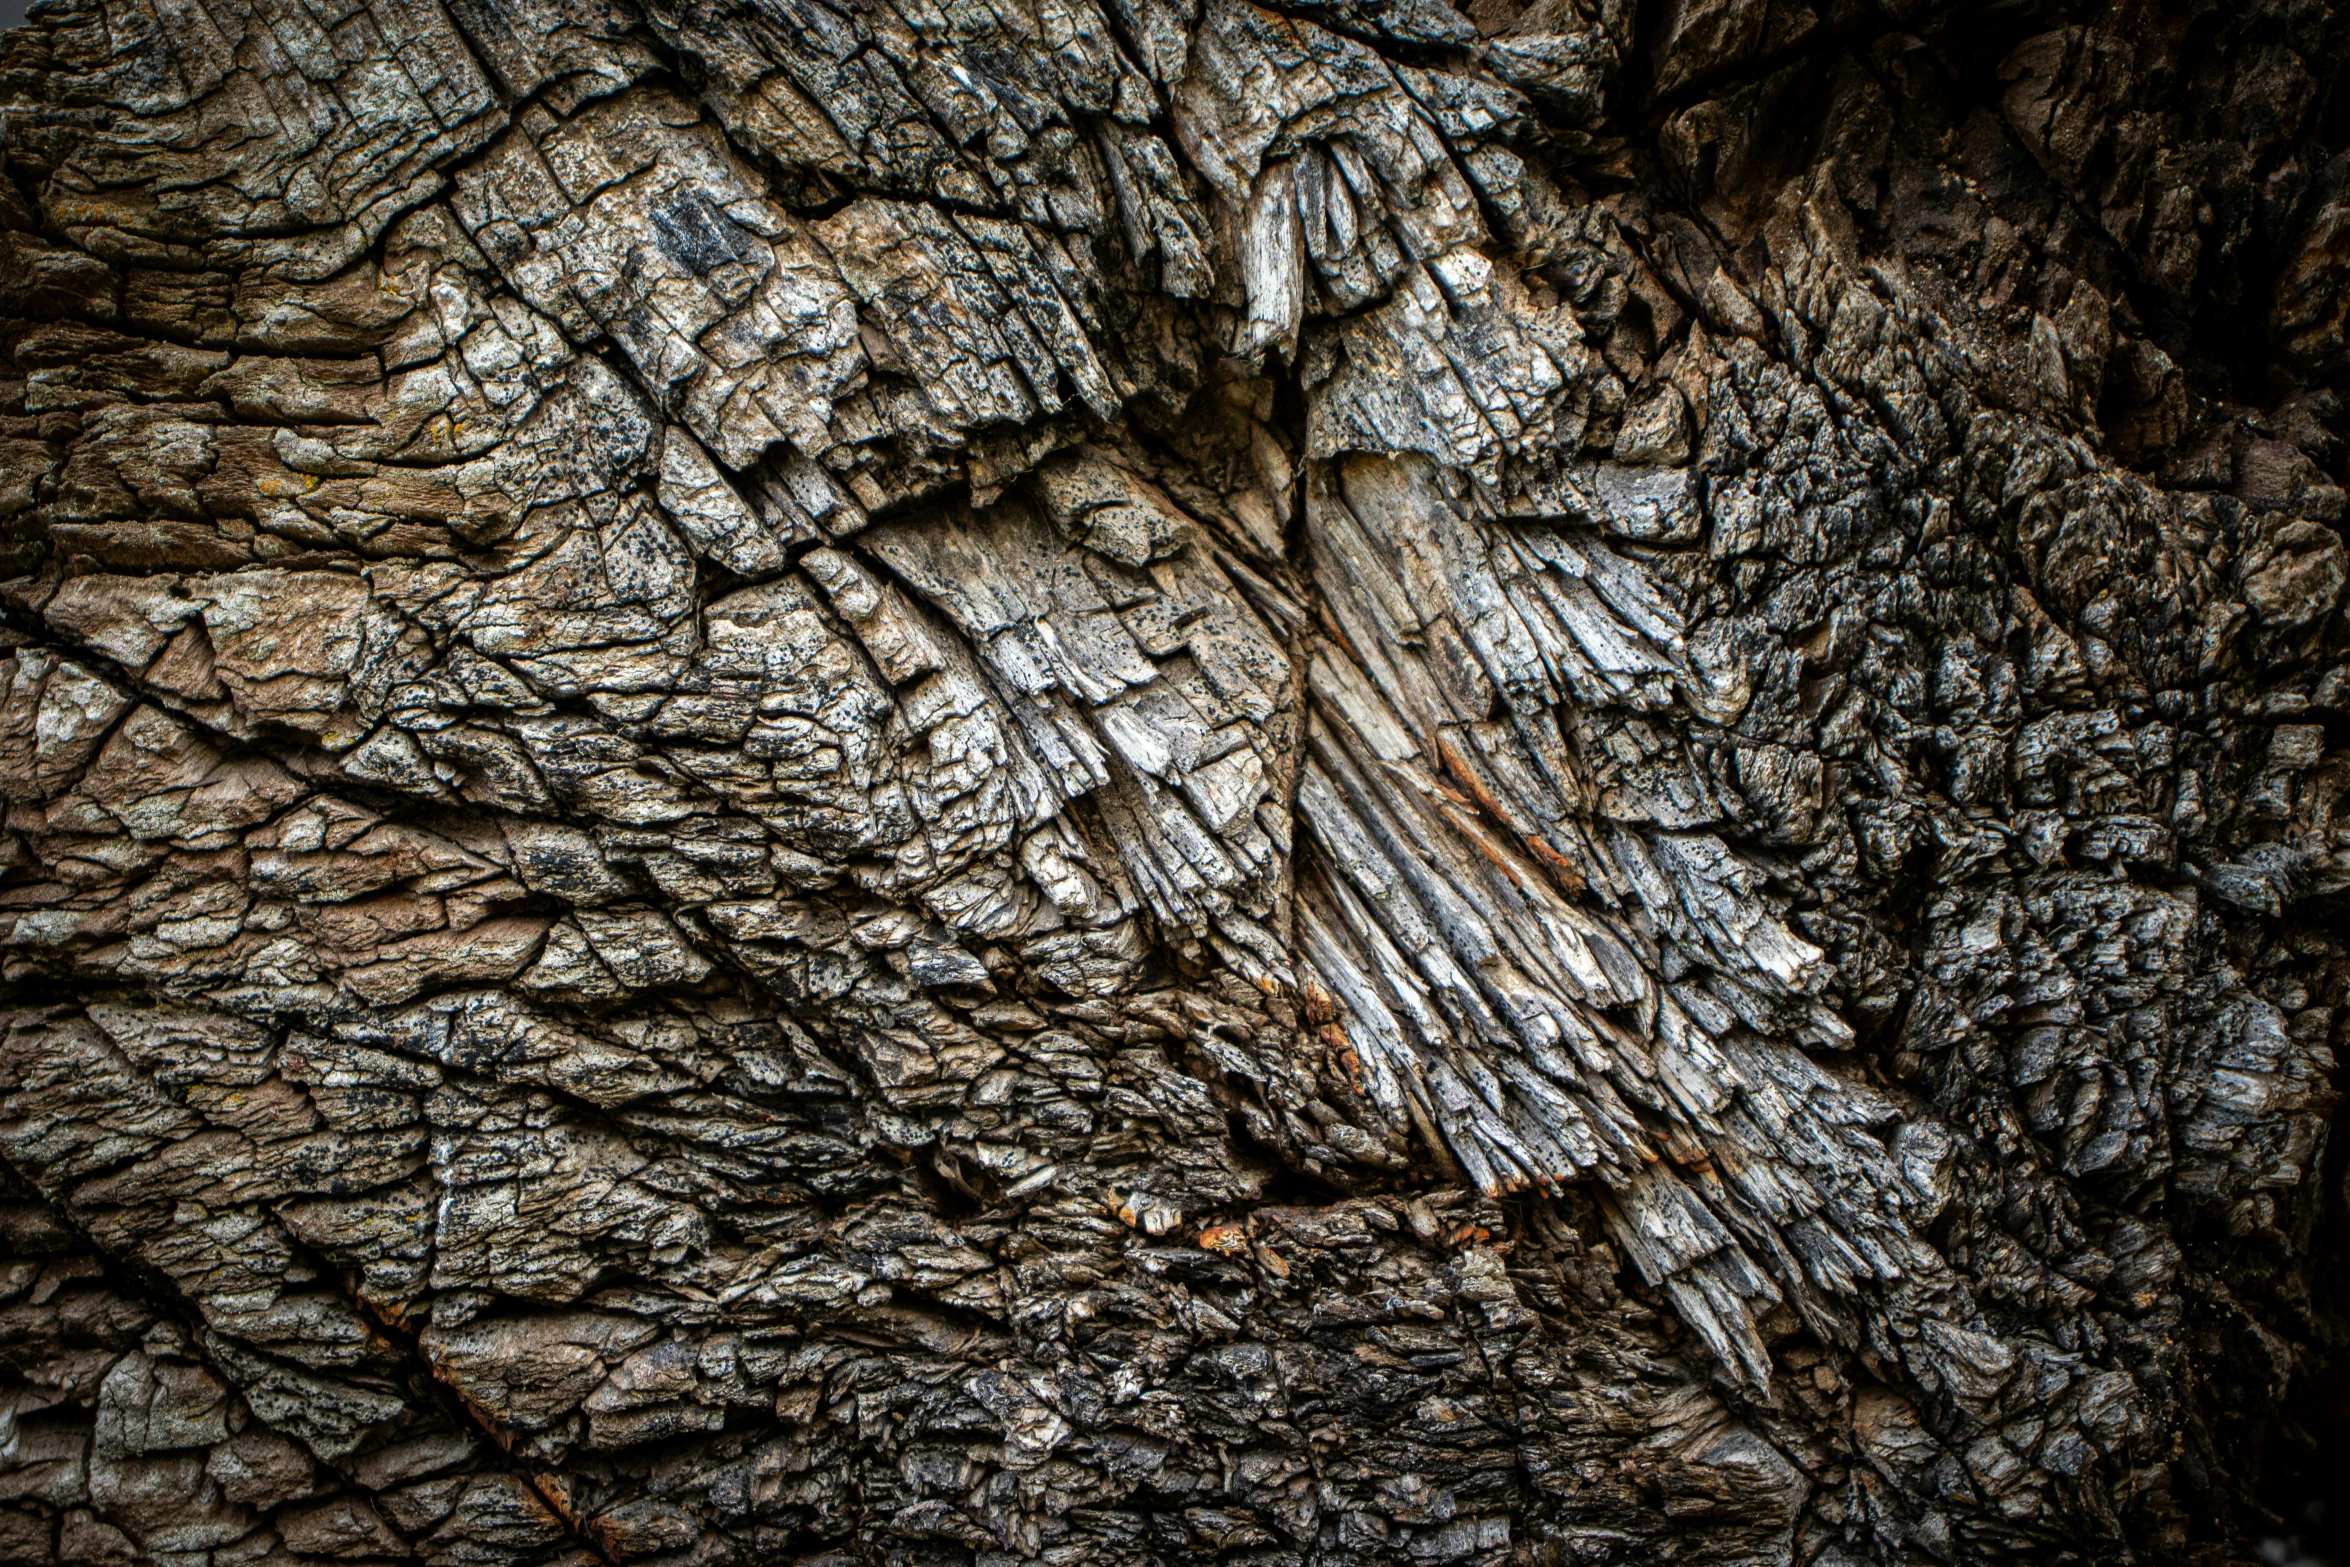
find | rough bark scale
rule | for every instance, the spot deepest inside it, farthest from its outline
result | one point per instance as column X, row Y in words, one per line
column 1146, row 780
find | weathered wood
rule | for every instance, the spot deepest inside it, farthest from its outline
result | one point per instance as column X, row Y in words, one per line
column 1331, row 782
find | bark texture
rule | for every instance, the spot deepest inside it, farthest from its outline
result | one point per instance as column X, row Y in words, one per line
column 1117, row 781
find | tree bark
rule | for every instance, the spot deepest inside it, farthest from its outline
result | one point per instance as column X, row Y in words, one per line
column 1143, row 780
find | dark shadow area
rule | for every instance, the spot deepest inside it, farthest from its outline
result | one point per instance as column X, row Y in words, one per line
column 2316, row 1519
column 2306, row 1480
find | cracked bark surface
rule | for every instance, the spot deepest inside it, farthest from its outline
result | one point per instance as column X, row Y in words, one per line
column 871, row 781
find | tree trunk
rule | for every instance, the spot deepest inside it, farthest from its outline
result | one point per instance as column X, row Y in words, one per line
column 1142, row 780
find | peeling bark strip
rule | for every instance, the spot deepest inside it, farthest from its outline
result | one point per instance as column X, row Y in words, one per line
column 1159, row 780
